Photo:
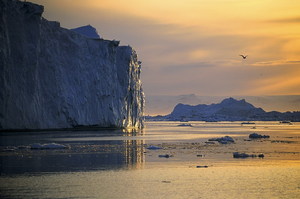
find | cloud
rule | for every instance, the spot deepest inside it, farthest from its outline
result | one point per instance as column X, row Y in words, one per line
column 197, row 53
column 286, row 20
column 278, row 80
column 278, row 85
column 293, row 61
column 185, row 67
column 276, row 63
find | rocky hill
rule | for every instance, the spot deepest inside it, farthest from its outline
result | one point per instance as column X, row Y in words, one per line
column 228, row 110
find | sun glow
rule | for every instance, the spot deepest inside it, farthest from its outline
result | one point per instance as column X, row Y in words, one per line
column 206, row 36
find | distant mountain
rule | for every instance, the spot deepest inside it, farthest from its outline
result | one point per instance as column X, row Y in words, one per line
column 229, row 109
column 164, row 104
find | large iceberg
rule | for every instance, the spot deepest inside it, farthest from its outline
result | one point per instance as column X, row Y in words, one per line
column 52, row 77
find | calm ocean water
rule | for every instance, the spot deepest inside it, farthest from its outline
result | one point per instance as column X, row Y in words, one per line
column 117, row 164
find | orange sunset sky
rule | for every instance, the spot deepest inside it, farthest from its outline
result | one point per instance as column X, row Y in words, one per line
column 193, row 46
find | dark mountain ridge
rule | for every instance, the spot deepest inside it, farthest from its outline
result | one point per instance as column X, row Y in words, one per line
column 229, row 109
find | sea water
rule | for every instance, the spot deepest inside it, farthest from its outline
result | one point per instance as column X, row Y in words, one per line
column 117, row 164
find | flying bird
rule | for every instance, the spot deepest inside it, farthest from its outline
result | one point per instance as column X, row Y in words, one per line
column 244, row 56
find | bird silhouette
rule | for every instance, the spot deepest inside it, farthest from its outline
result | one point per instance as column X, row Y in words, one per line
column 244, row 56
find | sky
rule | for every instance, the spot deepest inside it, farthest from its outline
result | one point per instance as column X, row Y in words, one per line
column 193, row 46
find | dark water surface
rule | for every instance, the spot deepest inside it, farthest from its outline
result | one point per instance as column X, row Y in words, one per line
column 117, row 164
column 80, row 155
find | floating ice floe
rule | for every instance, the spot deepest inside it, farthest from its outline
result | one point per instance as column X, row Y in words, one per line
column 223, row 140
column 23, row 147
column 184, row 125
column 245, row 155
column 153, row 148
column 248, row 123
column 9, row 149
column 205, row 166
column 255, row 136
column 47, row 146
column 165, row 156
column 209, row 142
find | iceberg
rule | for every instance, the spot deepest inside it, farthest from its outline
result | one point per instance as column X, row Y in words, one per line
column 55, row 78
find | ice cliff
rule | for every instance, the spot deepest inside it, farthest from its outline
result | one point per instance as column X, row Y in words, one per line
column 52, row 77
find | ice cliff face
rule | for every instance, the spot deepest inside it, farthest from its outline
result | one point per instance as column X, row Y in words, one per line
column 52, row 77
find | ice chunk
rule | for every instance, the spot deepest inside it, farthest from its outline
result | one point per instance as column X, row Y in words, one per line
column 256, row 136
column 184, row 124
column 223, row 140
column 245, row 155
column 165, row 156
column 153, row 148
column 200, row 166
column 48, row 146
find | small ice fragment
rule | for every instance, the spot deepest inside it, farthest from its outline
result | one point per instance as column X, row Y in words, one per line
column 9, row 149
column 23, row 147
column 165, row 156
column 205, row 166
column 153, row 148
column 48, row 146
column 240, row 155
column 261, row 155
column 256, row 136
column 36, row 146
column 245, row 155
column 184, row 124
column 209, row 143
column 54, row 146
column 223, row 140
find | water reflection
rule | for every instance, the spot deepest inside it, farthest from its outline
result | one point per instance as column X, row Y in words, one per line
column 90, row 153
